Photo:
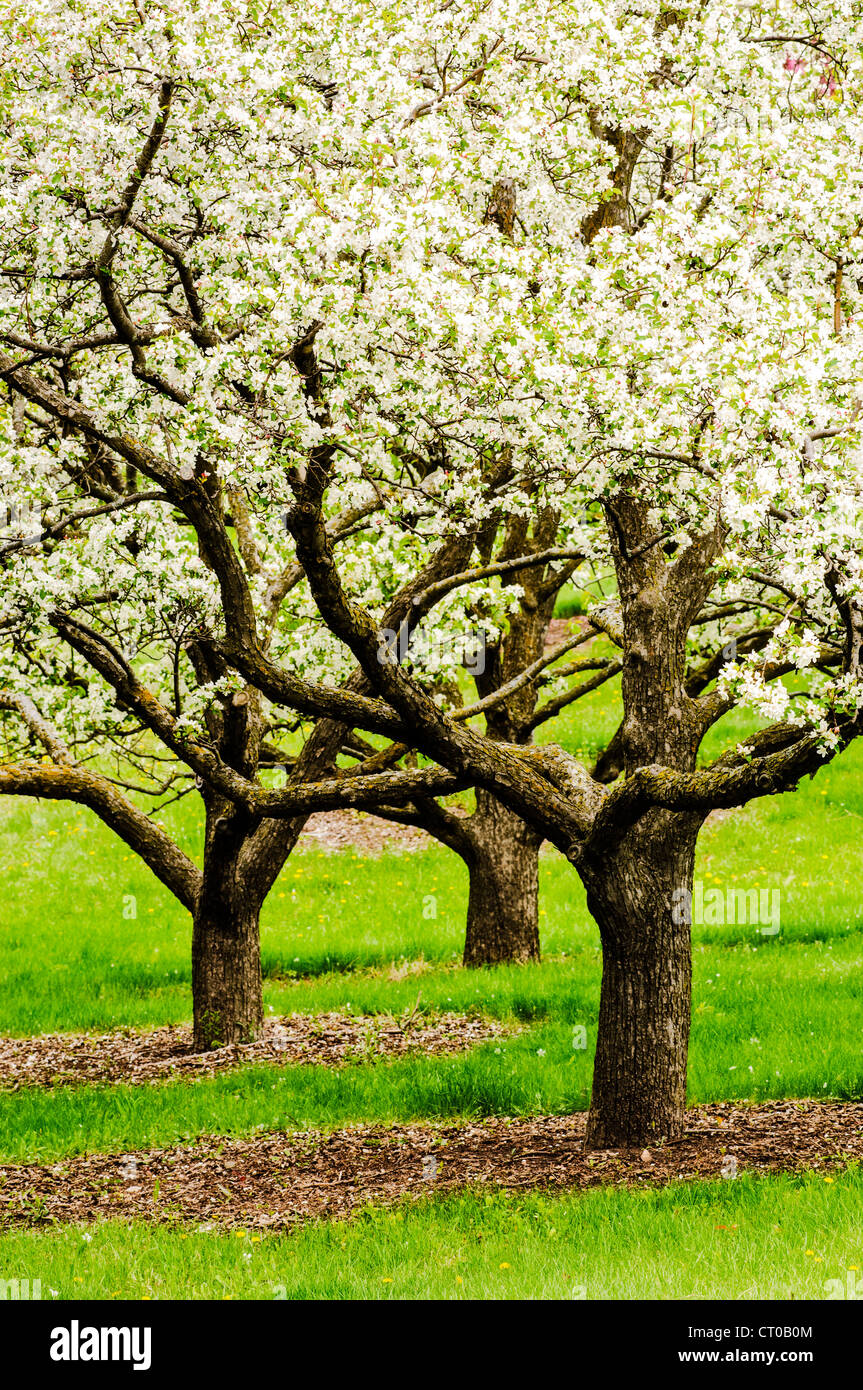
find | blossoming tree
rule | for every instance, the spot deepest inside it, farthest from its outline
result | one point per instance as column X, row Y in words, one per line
column 600, row 261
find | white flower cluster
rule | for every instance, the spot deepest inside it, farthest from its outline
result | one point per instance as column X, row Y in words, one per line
column 329, row 170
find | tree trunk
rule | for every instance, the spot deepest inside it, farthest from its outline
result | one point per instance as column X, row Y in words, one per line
column 227, row 994
column 636, row 892
column 503, row 864
column 226, row 976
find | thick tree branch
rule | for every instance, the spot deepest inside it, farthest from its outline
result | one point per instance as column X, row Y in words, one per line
column 501, row 770
column 149, row 842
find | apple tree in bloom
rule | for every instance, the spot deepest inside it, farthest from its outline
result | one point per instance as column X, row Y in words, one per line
column 272, row 278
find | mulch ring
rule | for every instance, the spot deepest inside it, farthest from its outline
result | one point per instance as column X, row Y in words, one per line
column 282, row 1180
column 331, row 1039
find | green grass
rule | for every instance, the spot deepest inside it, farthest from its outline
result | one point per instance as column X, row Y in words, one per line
column 773, row 1017
column 43, row 1124
column 764, row 1027
column 572, row 601
column 74, row 957
column 71, row 959
column 751, row 1238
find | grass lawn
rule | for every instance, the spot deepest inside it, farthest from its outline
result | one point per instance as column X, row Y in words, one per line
column 759, row 1238
column 91, row 941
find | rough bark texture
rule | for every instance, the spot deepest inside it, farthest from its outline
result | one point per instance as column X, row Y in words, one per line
column 632, row 877
column 226, row 975
column 503, row 864
column 639, row 1078
column 226, row 956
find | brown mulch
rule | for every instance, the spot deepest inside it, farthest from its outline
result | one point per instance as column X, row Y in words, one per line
column 279, row 1180
column 360, row 831
column 559, row 629
column 331, row 1039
